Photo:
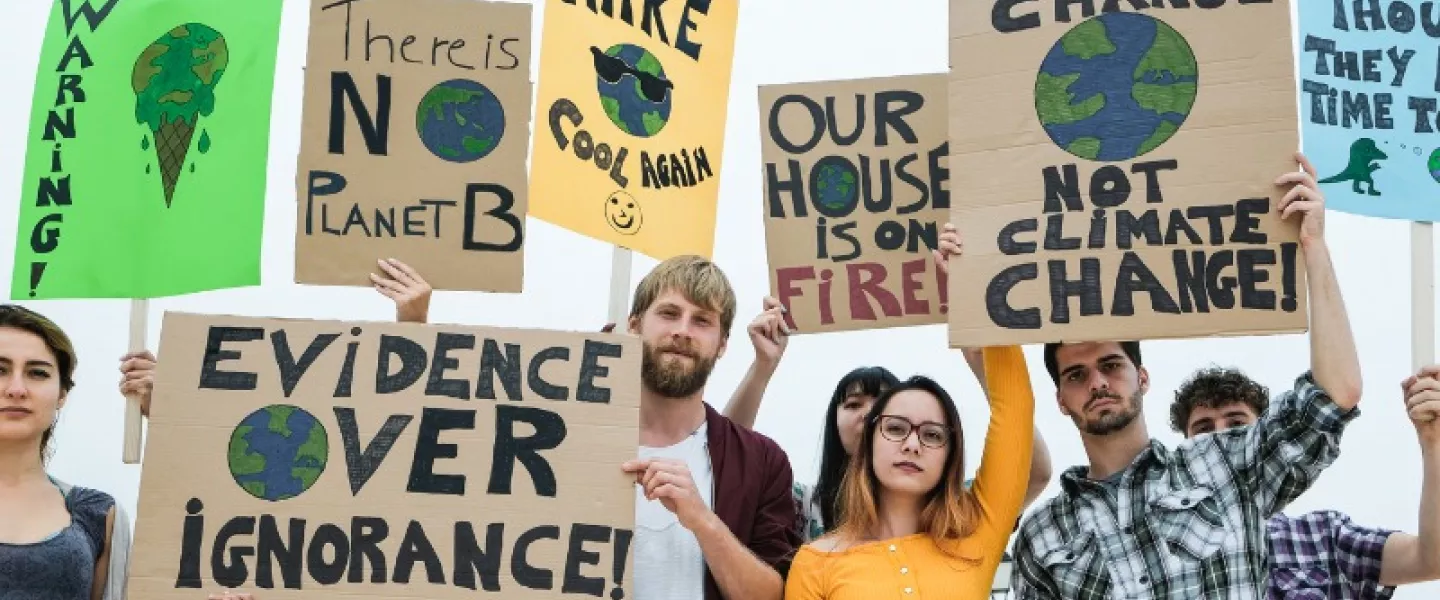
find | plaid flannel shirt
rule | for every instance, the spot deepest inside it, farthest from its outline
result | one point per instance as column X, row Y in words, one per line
column 1323, row 556
column 1182, row 524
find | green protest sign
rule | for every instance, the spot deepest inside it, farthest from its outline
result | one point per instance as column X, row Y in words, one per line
column 149, row 131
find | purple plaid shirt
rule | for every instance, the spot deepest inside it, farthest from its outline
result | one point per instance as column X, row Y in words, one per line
column 1322, row 555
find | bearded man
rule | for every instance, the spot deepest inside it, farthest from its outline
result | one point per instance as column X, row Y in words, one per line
column 714, row 516
column 1145, row 521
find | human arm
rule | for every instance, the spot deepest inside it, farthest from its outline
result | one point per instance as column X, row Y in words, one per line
column 1409, row 558
column 770, row 336
column 398, row 282
column 1040, row 468
column 1333, row 358
column 738, row 571
column 102, row 562
column 1002, row 479
column 1040, row 465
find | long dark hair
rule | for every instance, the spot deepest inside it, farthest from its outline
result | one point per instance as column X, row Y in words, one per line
column 951, row 512
column 13, row 316
column 868, row 381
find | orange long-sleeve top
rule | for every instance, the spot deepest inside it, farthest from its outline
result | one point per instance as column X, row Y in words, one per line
column 913, row 566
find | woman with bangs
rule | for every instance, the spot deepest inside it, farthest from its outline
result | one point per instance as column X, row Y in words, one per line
column 905, row 520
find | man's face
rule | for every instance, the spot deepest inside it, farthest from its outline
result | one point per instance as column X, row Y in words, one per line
column 681, row 341
column 1204, row 419
column 1100, row 388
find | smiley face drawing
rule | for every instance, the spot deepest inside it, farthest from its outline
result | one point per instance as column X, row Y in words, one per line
column 623, row 213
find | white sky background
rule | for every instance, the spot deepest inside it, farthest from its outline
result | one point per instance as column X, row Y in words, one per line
column 1376, row 480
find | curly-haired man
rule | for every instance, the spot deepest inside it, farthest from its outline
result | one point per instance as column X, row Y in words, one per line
column 1324, row 551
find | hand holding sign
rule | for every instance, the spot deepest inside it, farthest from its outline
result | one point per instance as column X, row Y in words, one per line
column 669, row 481
column 406, row 287
column 137, row 377
column 1305, row 198
column 950, row 245
column 1422, row 403
column 769, row 333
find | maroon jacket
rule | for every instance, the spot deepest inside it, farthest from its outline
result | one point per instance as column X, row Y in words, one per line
column 752, row 494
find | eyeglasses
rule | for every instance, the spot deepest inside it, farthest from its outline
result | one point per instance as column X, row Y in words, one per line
column 611, row 69
column 896, row 429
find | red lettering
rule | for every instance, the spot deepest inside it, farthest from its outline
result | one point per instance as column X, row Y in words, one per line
column 785, row 286
column 865, row 279
column 910, row 285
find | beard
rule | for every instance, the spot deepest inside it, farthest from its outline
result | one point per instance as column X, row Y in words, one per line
column 672, row 378
column 1111, row 422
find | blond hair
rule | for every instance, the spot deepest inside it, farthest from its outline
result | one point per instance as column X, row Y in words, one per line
column 699, row 280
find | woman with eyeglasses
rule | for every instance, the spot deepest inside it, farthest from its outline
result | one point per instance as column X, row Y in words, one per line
column 906, row 521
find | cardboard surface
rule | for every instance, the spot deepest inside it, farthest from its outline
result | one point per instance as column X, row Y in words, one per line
column 610, row 161
column 1038, row 205
column 430, row 172
column 255, row 477
column 1368, row 106
column 856, row 191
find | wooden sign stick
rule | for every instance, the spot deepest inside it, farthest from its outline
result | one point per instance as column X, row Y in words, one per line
column 139, row 325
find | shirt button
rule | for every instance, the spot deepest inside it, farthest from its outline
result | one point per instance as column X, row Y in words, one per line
column 1144, row 580
column 904, row 570
column 1129, row 531
column 892, row 547
column 908, row 590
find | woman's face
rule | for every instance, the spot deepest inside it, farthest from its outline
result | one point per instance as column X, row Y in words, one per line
column 29, row 385
column 911, row 443
column 850, row 419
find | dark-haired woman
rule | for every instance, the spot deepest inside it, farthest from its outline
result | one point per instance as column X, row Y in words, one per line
column 907, row 526
column 57, row 541
column 851, row 400
column 72, row 542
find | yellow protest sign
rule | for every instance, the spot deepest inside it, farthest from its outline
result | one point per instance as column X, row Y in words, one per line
column 631, row 121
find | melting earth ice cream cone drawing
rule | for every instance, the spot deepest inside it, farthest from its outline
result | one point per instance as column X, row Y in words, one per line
column 174, row 82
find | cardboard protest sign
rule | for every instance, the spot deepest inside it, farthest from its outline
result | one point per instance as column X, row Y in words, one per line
column 856, row 191
column 1368, row 88
column 365, row 460
column 633, row 99
column 1114, row 171
column 149, row 134
column 416, row 123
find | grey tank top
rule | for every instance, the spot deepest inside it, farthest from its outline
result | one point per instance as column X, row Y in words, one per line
column 63, row 566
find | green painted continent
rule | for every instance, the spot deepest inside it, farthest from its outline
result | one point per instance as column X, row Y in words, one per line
column 653, row 122
column 1169, row 54
column 1165, row 98
column 1087, row 40
column 1085, row 147
column 242, row 460
column 1162, row 133
column 1054, row 102
column 435, row 101
column 280, row 418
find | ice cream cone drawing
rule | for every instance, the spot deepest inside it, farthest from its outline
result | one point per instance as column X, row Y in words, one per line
column 174, row 82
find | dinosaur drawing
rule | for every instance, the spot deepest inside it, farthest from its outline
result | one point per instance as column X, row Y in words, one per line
column 1363, row 154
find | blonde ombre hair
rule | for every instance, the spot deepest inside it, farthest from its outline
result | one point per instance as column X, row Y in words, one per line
column 951, row 512
column 699, row 280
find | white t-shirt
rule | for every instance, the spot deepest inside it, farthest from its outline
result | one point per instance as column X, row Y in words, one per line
column 668, row 561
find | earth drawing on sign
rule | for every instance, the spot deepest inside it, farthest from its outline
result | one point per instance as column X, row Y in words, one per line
column 1434, row 165
column 1116, row 86
column 278, row 452
column 633, row 89
column 833, row 184
column 460, row 121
